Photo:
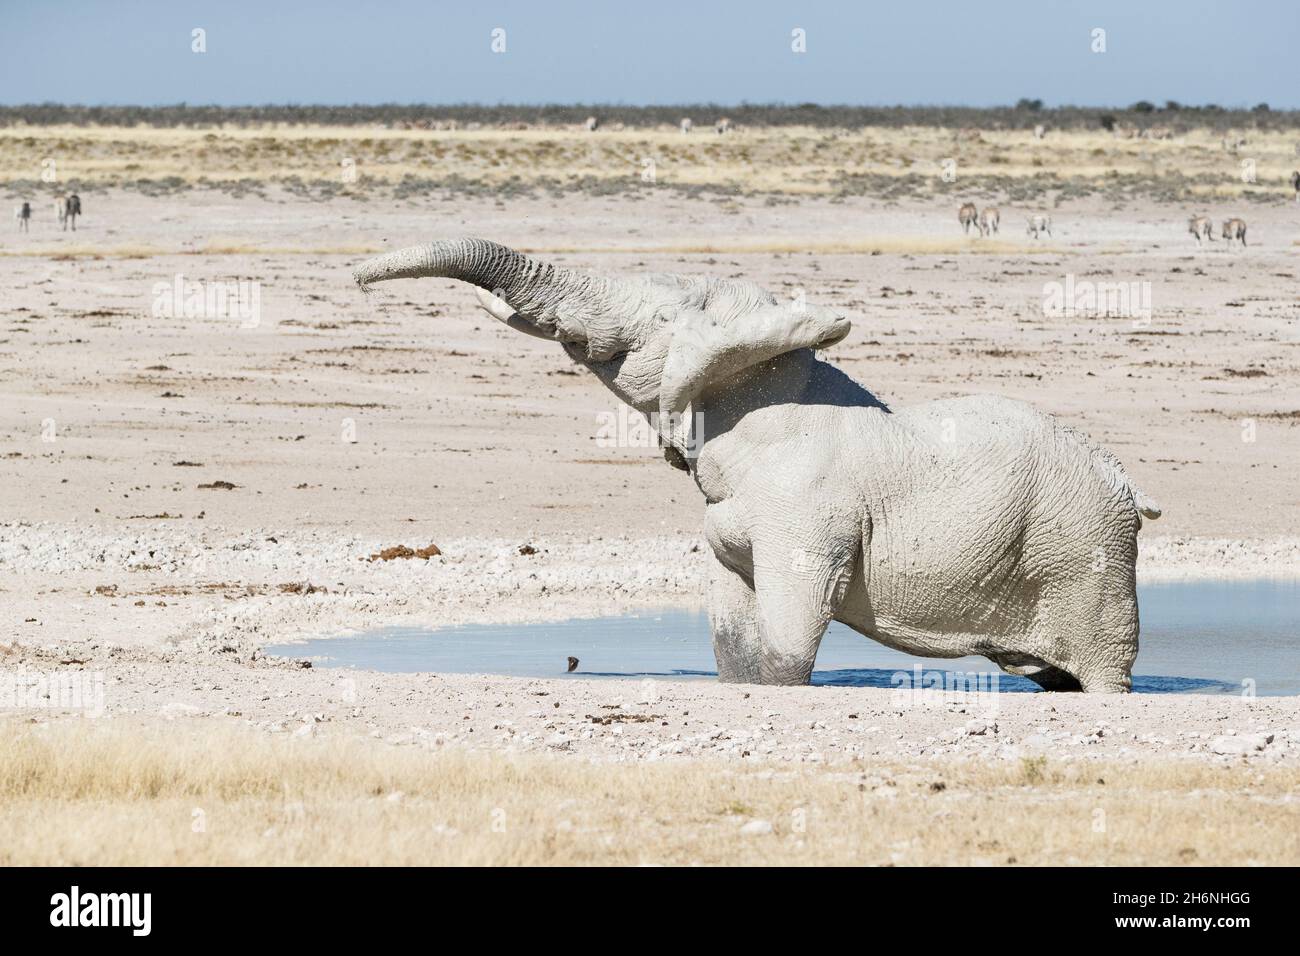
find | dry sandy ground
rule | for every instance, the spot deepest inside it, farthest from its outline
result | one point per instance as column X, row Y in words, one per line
column 115, row 561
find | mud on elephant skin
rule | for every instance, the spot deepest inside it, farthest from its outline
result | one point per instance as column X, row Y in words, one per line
column 966, row 526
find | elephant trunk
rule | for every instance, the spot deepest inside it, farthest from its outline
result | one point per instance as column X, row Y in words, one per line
column 536, row 289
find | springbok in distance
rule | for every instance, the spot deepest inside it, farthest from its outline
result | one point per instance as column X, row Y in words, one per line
column 1295, row 184
column 686, row 124
column 968, row 216
column 989, row 220
column 592, row 123
column 723, row 126
column 1038, row 224
column 1234, row 229
column 67, row 208
column 23, row 214
column 1201, row 228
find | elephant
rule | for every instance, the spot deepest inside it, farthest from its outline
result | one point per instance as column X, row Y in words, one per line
column 974, row 525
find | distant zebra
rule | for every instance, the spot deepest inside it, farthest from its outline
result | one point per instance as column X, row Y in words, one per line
column 67, row 208
column 1201, row 228
column 23, row 214
column 686, row 124
column 989, row 220
column 1234, row 229
column 968, row 216
column 723, row 126
column 592, row 123
column 1038, row 224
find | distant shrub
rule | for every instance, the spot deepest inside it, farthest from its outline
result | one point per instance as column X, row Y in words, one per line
column 1023, row 116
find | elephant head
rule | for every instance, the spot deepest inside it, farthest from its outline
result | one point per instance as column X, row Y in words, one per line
column 656, row 341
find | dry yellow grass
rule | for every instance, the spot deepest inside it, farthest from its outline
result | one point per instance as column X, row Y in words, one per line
column 791, row 160
column 181, row 792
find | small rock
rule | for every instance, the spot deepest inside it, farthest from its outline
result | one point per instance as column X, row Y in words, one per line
column 177, row 709
column 1243, row 744
column 756, row 828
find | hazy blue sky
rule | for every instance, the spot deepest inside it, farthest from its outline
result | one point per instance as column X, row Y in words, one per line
column 956, row 52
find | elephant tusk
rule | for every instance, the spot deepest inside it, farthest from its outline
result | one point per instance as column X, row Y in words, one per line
column 494, row 306
column 500, row 310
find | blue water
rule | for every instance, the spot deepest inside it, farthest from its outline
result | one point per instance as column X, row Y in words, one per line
column 1197, row 637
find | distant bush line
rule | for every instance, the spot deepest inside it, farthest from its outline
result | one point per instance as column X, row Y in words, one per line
column 1026, row 115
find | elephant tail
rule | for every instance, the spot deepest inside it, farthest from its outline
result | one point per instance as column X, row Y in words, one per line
column 1111, row 471
column 1145, row 504
column 1118, row 478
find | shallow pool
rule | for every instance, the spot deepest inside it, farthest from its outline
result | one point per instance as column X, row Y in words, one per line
column 1197, row 636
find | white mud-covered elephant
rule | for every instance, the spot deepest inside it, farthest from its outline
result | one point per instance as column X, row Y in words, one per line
column 966, row 526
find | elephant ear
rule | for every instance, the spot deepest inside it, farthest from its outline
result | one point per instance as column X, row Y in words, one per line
column 708, row 348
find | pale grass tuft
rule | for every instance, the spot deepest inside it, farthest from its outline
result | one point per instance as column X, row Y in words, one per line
column 179, row 792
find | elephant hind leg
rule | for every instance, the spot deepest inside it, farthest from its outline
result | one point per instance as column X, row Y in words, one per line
column 1053, row 678
column 1040, row 672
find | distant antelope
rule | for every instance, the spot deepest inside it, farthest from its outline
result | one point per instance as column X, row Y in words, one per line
column 968, row 216
column 722, row 126
column 67, row 208
column 1038, row 224
column 989, row 220
column 23, row 214
column 1234, row 229
column 1201, row 228
column 592, row 123
column 686, row 124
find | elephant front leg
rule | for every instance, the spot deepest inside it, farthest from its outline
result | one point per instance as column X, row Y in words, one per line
column 799, row 590
column 733, row 622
